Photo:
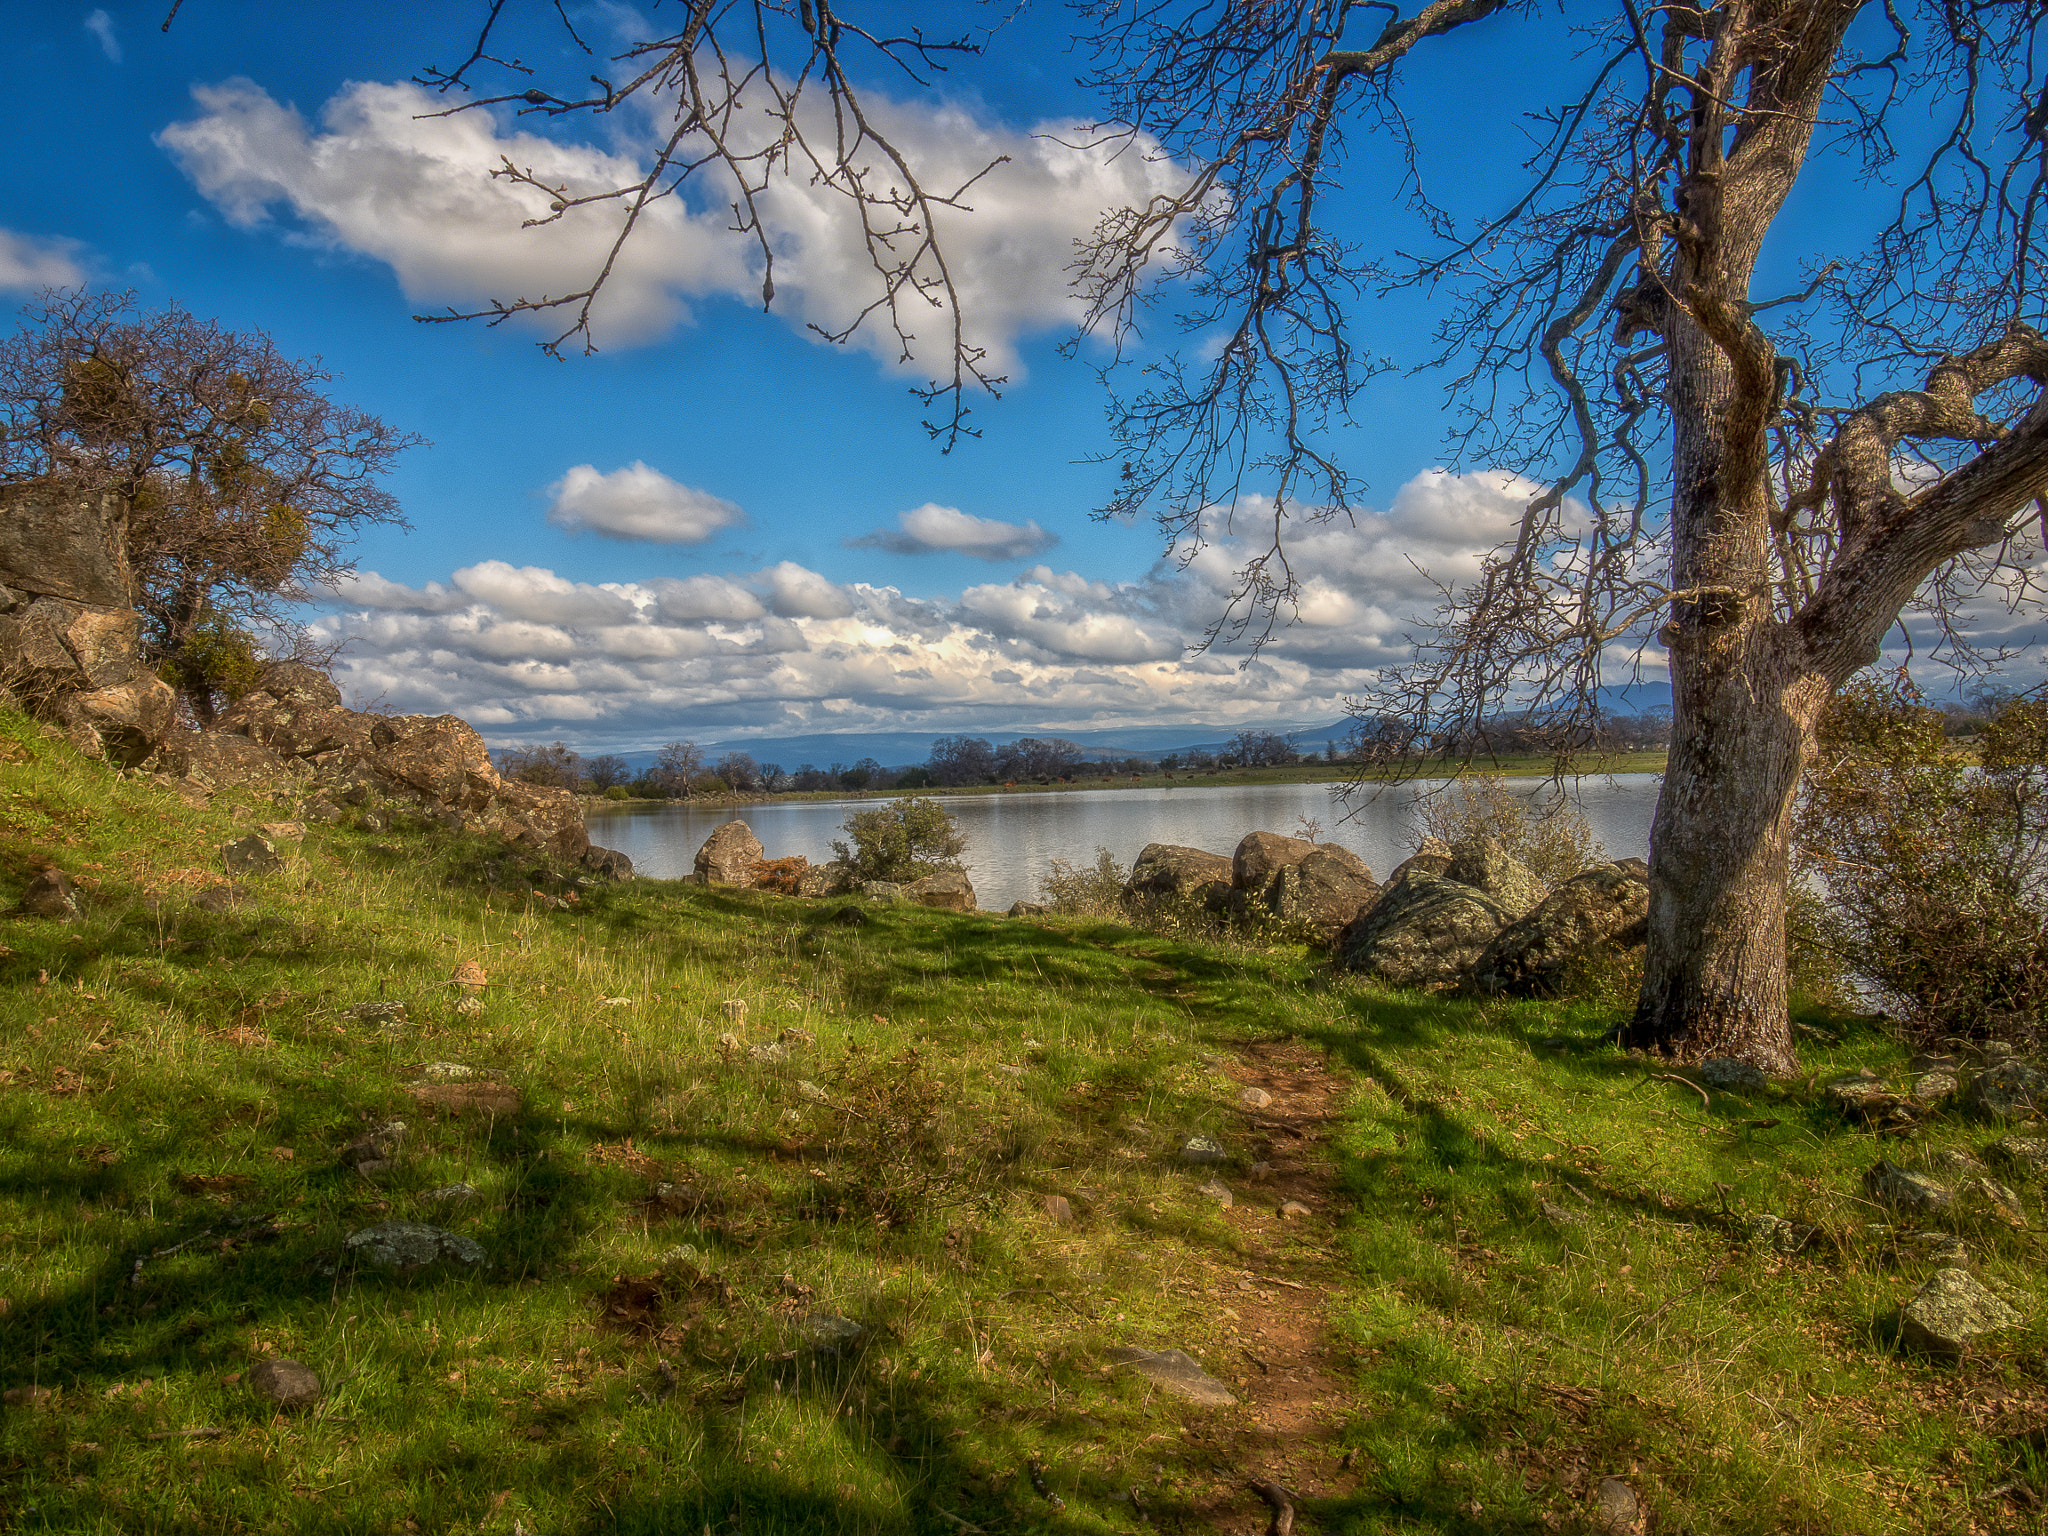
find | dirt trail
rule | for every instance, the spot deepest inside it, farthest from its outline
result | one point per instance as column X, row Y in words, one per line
column 1293, row 1399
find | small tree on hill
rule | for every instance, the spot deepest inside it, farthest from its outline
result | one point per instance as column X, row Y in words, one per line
column 903, row 840
column 245, row 483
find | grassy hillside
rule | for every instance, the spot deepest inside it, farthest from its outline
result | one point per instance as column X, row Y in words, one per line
column 1521, row 1268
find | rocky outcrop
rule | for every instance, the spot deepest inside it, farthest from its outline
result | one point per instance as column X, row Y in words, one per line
column 1485, row 864
column 1168, row 871
column 1323, row 892
column 1427, row 931
column 1261, row 855
column 1433, row 857
column 1608, row 904
column 70, row 642
column 731, row 855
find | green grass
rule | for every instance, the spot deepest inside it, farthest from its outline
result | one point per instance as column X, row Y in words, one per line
column 178, row 1079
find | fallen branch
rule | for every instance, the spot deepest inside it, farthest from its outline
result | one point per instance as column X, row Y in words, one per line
column 1274, row 1280
column 958, row 1523
column 197, row 1432
column 1673, row 1077
column 1281, row 1503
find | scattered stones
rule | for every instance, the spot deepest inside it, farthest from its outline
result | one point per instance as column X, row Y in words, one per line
column 251, row 855
column 1902, row 1189
column 2026, row 1155
column 832, row 1334
column 1059, row 1209
column 50, row 894
column 1616, row 1507
column 1728, row 1074
column 1175, row 1371
column 410, row 1246
column 2005, row 1090
column 1294, row 1210
column 1255, row 1098
column 285, row 1384
column 1203, row 1149
column 1949, row 1311
column 1216, row 1191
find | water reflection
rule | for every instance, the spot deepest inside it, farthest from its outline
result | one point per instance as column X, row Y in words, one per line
column 1012, row 838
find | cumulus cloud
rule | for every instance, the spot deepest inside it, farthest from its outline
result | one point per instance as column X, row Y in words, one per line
column 415, row 192
column 28, row 262
column 637, row 503
column 933, row 529
column 522, row 650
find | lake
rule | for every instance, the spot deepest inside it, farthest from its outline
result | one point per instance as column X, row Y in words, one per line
column 1012, row 838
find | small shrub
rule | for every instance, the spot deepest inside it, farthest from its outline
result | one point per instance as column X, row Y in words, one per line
column 1095, row 890
column 782, row 874
column 1547, row 832
column 903, row 840
column 893, row 1153
column 618, row 792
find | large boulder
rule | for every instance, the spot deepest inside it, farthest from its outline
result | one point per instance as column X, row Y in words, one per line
column 833, row 878
column 1433, row 857
column 1167, row 870
column 1949, row 1311
column 1485, row 864
column 1426, row 931
column 731, row 855
column 439, row 756
column 1324, row 891
column 946, row 889
column 1529, row 957
column 1261, row 855
column 215, row 761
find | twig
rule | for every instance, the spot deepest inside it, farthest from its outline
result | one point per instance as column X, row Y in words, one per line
column 958, row 1523
column 1038, row 1483
column 1255, row 1360
column 1138, row 1506
column 1280, row 1502
column 1673, row 1077
column 1055, row 1295
column 1275, row 1280
column 197, row 1432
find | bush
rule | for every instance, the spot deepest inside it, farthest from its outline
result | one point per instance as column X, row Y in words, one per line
column 1546, row 832
column 1934, row 871
column 906, row 839
column 1085, row 891
column 618, row 792
column 894, row 1152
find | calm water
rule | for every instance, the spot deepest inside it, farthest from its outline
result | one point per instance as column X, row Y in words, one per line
column 1013, row 838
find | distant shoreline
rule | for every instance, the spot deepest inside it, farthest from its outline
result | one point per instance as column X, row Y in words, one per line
column 1435, row 769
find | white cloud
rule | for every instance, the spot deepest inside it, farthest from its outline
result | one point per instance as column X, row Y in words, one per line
column 695, row 598
column 529, row 592
column 638, row 503
column 933, row 529
column 797, row 593
column 101, row 26
column 28, row 262
column 416, row 192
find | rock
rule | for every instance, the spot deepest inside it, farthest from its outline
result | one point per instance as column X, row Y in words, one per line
column 733, row 1010
column 830, row 879
column 1933, row 1087
column 410, row 1246
column 1953, row 1163
column 221, row 898
column 381, row 1145
column 1426, row 931
column 285, row 1384
column 1261, row 855
column 1863, row 1096
column 1216, row 1190
column 1949, row 1311
column 1294, row 1210
column 251, row 855
column 28, row 1397
column 1255, row 1098
column 1028, row 909
column 1989, row 1194
column 1323, row 892
column 1778, row 1233
column 1902, row 1189
column 1432, row 857
column 731, row 855
column 50, row 894
column 450, row 1195
column 831, row 1333
column 1485, row 864
column 1561, row 1216
column 2006, row 1090
column 770, row 1053
column 1615, row 1507
column 851, row 917
column 1943, row 1248
column 1531, row 956
column 1725, row 1072
column 946, row 889
column 322, row 813
column 1203, row 1149
column 384, row 1011
column 1175, row 1371
column 1009, row 1071
column 1168, row 871
column 216, row 761
column 1059, row 1210
column 2026, row 1155
column 607, row 863
column 58, row 542
column 453, row 1072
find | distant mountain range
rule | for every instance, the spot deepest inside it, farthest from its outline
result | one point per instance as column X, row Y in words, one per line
column 897, row 749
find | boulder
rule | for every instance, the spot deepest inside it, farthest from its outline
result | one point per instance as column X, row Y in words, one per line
column 64, row 543
column 1485, row 864
column 607, row 863
column 1949, row 1311
column 438, row 756
column 285, row 1384
column 731, row 855
column 1028, row 909
column 1725, row 1072
column 1169, row 870
column 1426, row 931
column 251, row 855
column 1904, row 1190
column 2025, row 1155
column 949, row 890
column 1530, row 956
column 1324, row 891
column 834, row 878
column 1261, row 855
column 215, row 760
column 1433, row 857
column 2006, row 1090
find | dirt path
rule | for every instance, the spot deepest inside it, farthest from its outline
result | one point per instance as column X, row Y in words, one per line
column 1294, row 1401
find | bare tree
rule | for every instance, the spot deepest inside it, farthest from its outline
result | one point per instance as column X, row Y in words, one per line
column 1759, row 484
column 676, row 768
column 244, row 482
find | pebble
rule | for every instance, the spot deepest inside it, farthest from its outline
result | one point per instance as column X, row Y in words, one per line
column 285, row 1383
column 1009, row 1071
column 468, row 1006
column 383, row 1011
column 1255, row 1098
column 1216, row 1191
column 832, row 1333
column 1615, row 1506
column 1294, row 1210
column 771, row 1052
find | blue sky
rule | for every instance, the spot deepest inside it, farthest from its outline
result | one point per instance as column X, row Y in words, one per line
column 718, row 526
